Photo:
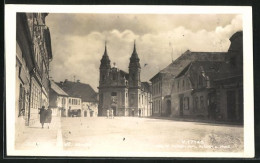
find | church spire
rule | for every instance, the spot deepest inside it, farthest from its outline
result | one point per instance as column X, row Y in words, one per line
column 134, row 60
column 105, row 61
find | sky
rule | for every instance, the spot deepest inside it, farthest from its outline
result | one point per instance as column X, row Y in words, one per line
column 78, row 41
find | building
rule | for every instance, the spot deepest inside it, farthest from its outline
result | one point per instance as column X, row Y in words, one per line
column 24, row 65
column 162, row 81
column 192, row 89
column 58, row 100
column 82, row 99
column 146, row 99
column 229, row 85
column 33, row 56
column 123, row 92
column 211, row 89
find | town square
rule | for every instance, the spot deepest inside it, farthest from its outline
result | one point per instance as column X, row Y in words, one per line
column 129, row 84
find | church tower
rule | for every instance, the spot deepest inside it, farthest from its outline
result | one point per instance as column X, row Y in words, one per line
column 104, row 68
column 104, row 71
column 134, row 83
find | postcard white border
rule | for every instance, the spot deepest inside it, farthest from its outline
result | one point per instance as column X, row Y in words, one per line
column 10, row 52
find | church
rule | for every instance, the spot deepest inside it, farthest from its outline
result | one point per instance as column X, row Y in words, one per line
column 123, row 92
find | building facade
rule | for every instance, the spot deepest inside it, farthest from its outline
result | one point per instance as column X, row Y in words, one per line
column 58, row 100
column 162, row 82
column 82, row 99
column 211, row 89
column 33, row 56
column 24, row 65
column 192, row 89
column 229, row 86
column 90, row 109
column 123, row 92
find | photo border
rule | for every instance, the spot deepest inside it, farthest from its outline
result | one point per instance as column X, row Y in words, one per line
column 247, row 43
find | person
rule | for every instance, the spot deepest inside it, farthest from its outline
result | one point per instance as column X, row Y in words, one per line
column 107, row 113
column 48, row 116
column 112, row 113
column 42, row 115
column 139, row 112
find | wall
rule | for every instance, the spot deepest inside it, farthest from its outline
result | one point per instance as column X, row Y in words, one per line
column 89, row 107
column 106, row 100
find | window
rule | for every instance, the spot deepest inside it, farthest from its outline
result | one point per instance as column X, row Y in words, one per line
column 123, row 99
column 196, row 103
column 183, row 84
column 69, row 101
column 201, row 102
column 187, row 84
column 186, row 103
column 113, row 94
column 63, row 100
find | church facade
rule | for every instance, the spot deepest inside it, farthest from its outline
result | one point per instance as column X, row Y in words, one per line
column 123, row 92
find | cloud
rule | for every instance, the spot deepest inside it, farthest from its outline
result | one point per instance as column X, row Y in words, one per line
column 80, row 55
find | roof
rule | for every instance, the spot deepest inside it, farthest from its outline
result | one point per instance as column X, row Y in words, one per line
column 236, row 35
column 146, row 86
column 78, row 89
column 215, row 70
column 57, row 89
column 124, row 73
column 186, row 58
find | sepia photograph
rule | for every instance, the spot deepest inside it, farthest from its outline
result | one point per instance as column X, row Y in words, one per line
column 128, row 81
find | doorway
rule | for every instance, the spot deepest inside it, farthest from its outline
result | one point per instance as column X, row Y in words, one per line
column 181, row 106
column 114, row 110
column 231, row 105
column 168, row 108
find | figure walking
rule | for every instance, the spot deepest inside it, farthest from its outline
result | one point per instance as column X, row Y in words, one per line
column 107, row 113
column 112, row 113
column 139, row 112
column 42, row 113
column 48, row 117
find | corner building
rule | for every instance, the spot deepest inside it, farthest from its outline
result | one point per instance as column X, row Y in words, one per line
column 123, row 92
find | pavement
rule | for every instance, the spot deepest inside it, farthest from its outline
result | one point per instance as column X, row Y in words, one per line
column 129, row 134
column 40, row 139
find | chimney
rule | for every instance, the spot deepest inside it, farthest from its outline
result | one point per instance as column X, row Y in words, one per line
column 78, row 81
column 65, row 80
